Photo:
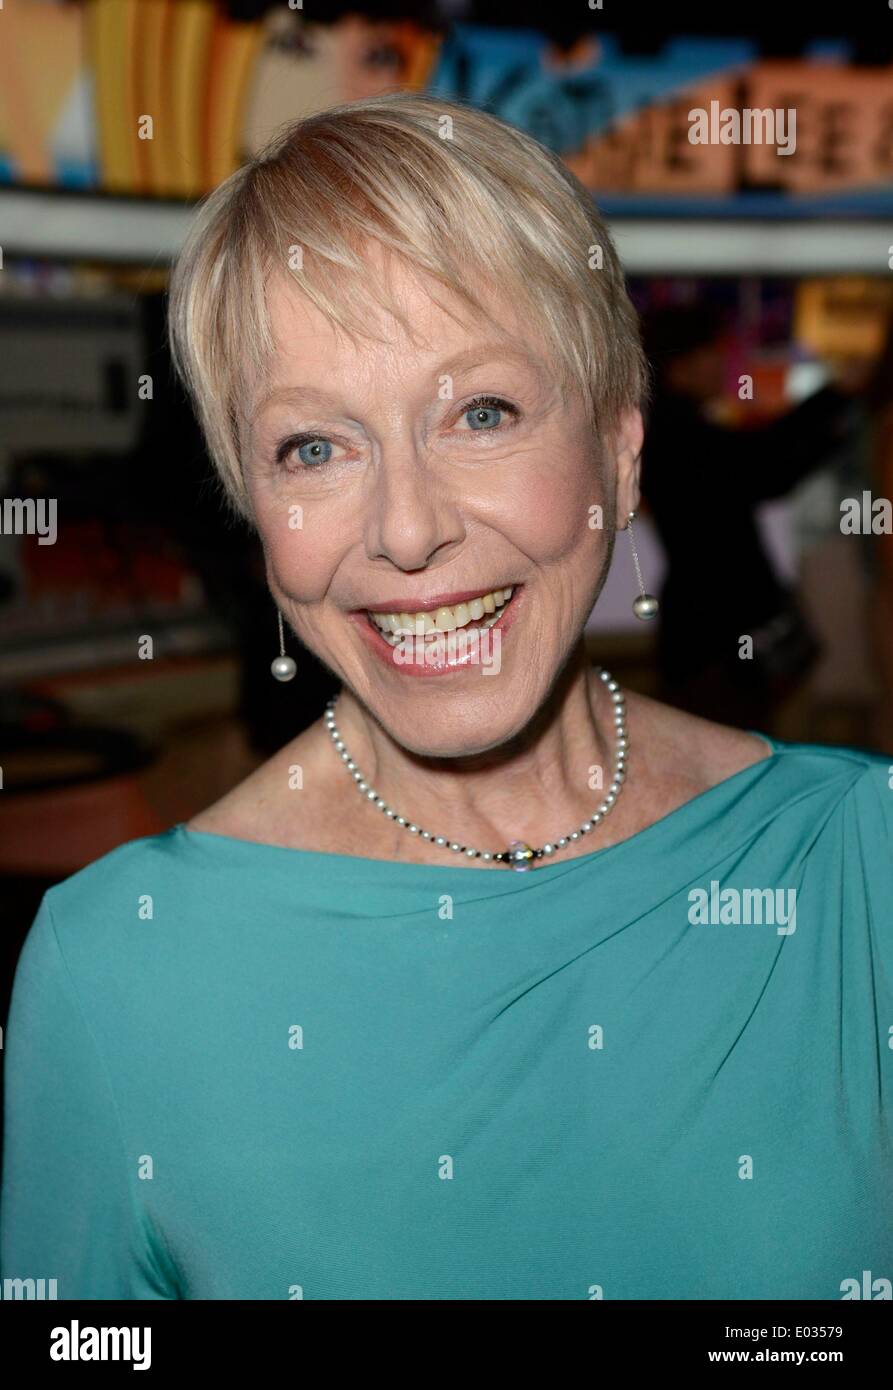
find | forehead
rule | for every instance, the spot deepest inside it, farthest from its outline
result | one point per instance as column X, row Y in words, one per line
column 443, row 334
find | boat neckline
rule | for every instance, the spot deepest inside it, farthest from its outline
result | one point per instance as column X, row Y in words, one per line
column 564, row 865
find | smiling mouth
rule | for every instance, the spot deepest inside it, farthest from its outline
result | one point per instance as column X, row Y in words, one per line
column 480, row 612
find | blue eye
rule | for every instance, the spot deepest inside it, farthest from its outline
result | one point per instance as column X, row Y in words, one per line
column 314, row 452
column 482, row 417
column 486, row 412
column 312, row 449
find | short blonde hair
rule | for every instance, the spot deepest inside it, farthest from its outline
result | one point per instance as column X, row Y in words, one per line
column 459, row 193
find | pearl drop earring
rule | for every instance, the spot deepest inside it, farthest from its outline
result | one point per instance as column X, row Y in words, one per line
column 646, row 605
column 282, row 666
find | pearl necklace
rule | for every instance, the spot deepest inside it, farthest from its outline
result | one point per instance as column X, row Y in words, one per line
column 518, row 855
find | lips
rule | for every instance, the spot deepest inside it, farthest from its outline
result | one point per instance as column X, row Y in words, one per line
column 427, row 605
column 443, row 650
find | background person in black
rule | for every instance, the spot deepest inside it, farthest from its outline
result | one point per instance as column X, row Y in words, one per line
column 702, row 482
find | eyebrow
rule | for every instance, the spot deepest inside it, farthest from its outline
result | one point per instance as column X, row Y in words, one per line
column 483, row 353
column 468, row 359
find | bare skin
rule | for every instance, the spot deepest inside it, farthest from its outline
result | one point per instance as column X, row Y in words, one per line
column 673, row 757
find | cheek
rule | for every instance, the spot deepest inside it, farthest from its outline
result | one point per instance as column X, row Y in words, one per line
column 300, row 560
column 553, row 512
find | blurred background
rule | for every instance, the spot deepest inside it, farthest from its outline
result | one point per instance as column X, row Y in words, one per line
column 764, row 283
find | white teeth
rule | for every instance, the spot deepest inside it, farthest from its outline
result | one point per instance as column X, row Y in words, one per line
column 485, row 609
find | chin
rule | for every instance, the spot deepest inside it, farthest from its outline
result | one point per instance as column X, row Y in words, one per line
column 460, row 717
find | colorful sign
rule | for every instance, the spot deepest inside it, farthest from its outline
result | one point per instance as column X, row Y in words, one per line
column 631, row 126
column 159, row 97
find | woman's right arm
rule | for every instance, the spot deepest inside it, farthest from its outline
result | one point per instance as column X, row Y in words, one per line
column 68, row 1209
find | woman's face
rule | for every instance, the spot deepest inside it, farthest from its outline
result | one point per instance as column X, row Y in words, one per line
column 426, row 478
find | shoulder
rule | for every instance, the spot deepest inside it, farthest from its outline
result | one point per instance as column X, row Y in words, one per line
column 680, row 748
column 261, row 809
column 89, row 912
column 88, row 953
column 696, row 752
column 865, row 781
column 860, row 777
column 127, row 866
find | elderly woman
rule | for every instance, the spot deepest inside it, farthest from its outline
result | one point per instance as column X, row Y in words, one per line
column 496, row 982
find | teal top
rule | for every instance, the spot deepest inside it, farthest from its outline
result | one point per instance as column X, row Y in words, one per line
column 249, row 1072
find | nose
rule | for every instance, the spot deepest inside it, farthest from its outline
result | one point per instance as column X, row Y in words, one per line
column 411, row 516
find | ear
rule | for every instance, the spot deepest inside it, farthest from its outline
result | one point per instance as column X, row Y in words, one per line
column 627, row 461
